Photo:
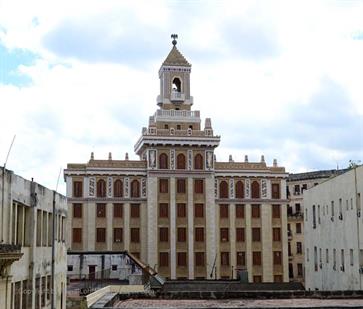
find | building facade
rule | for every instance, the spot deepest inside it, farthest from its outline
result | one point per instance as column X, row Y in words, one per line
column 26, row 229
column 177, row 208
column 333, row 227
column 296, row 185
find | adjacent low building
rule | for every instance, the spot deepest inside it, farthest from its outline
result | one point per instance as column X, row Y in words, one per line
column 26, row 230
column 296, row 185
column 333, row 233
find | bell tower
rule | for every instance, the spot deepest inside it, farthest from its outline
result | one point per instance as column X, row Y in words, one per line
column 174, row 75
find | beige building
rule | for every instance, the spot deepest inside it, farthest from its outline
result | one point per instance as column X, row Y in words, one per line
column 177, row 208
column 333, row 229
column 296, row 185
column 26, row 217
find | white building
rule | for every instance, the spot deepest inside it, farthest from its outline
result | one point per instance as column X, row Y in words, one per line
column 26, row 216
column 333, row 233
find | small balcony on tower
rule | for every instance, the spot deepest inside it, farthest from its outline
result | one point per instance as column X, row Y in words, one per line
column 176, row 97
column 174, row 115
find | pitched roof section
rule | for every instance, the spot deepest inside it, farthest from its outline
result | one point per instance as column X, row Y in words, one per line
column 176, row 58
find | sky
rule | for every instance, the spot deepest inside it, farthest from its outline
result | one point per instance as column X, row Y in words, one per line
column 278, row 78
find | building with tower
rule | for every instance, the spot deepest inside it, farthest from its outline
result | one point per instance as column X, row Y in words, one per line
column 176, row 208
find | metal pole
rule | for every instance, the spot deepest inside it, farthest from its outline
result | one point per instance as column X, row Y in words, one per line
column 53, row 254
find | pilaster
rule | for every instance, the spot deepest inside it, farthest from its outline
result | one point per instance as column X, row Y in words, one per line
column 190, row 212
column 211, row 227
column 266, row 235
column 172, row 229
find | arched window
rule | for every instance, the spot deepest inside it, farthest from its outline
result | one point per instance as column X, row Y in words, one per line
column 176, row 84
column 101, row 188
column 135, row 188
column 198, row 162
column 255, row 188
column 180, row 162
column 163, row 161
column 223, row 189
column 118, row 188
column 239, row 189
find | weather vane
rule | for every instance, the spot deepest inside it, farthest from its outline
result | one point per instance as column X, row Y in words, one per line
column 174, row 37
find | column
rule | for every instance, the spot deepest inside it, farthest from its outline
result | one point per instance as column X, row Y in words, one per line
column 89, row 233
column 152, row 214
column 284, row 238
column 126, row 226
column 143, row 231
column 232, row 237
column 211, row 227
column 266, row 234
column 109, row 226
column 190, row 212
column 248, row 235
column 172, row 229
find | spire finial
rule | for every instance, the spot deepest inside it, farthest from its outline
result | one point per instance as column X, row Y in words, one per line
column 174, row 37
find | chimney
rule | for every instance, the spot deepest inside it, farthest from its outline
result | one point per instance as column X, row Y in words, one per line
column 262, row 159
column 110, row 156
column 275, row 163
column 92, row 156
column 246, row 158
column 230, row 158
column 126, row 156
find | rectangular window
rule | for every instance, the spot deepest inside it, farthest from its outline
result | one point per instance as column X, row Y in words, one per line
column 198, row 186
column 240, row 211
column 163, row 210
column 256, row 258
column 257, row 279
column 114, row 268
column 314, row 217
column 163, row 259
column 181, row 210
column 224, row 258
column 77, row 210
column 276, row 234
column 255, row 211
column 277, row 258
column 297, row 208
column 198, row 210
column 351, row 257
column 117, row 210
column 296, row 189
column 199, row 234
column 199, row 258
column 117, row 235
column 276, row 213
column 334, row 259
column 224, row 234
column 163, row 185
column 182, row 234
column 77, row 235
column 342, row 259
column 163, row 234
column 275, row 191
column 332, row 210
column 135, row 210
column 327, row 255
column 316, row 258
column 298, row 247
column 299, row 269
column 182, row 259
column 77, row 189
column 256, row 234
column 100, row 234
column 180, row 185
column 101, row 210
column 277, row 278
column 135, row 234
column 298, row 228
column 241, row 258
column 223, row 211
column 240, row 234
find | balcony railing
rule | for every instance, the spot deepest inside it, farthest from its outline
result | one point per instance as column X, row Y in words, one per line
column 173, row 113
column 177, row 97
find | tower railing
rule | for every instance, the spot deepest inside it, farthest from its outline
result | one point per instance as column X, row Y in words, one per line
column 163, row 113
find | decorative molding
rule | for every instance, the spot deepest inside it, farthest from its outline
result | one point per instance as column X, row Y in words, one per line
column 264, row 188
column 190, row 160
column 247, row 188
column 143, row 187
column 231, row 188
column 92, row 185
column 209, row 160
column 109, row 186
column 172, row 159
column 126, row 187
column 216, row 188
column 152, row 158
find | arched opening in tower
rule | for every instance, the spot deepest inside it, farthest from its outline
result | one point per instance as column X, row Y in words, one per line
column 176, row 85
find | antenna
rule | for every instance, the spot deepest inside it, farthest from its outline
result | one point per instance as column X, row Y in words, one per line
column 11, row 145
column 60, row 171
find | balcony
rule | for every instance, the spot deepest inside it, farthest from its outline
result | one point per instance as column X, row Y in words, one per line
column 8, row 255
column 177, row 97
column 174, row 115
column 295, row 216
